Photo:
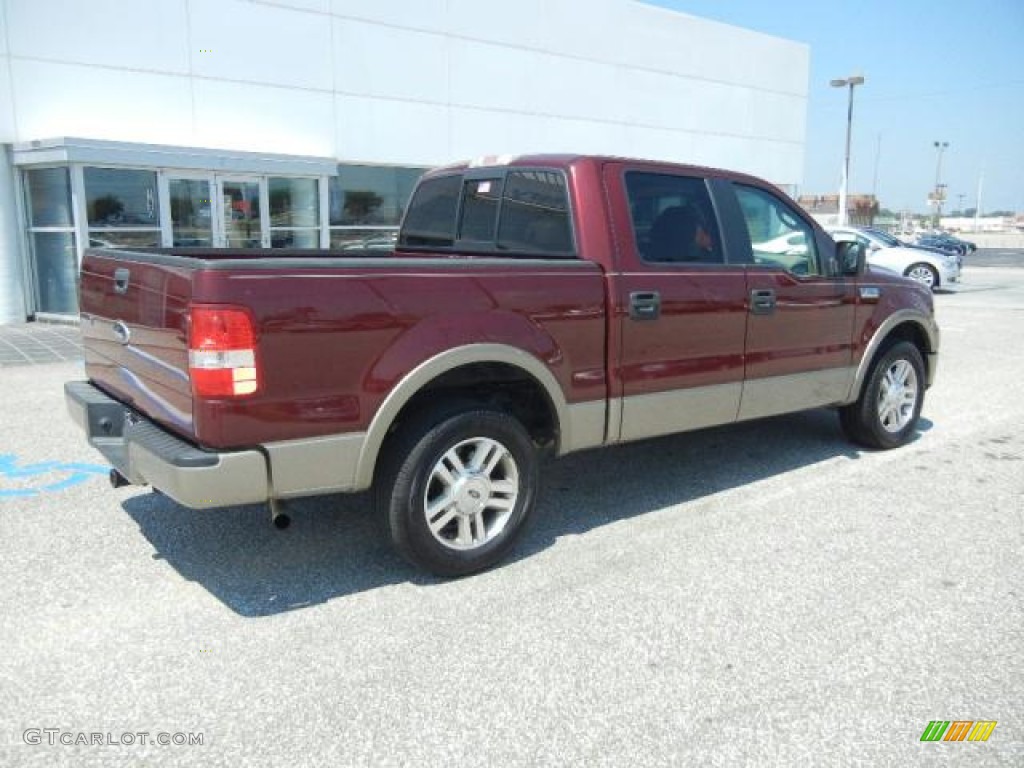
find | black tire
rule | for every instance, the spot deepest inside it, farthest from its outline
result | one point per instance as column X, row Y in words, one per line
column 923, row 273
column 488, row 507
column 873, row 420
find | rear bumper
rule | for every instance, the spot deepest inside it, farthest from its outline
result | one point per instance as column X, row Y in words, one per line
column 148, row 455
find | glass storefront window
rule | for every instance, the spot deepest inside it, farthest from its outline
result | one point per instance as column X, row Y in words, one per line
column 294, row 202
column 191, row 213
column 123, row 239
column 56, row 272
column 364, row 195
column 49, row 197
column 121, row 198
column 294, row 212
column 382, row 239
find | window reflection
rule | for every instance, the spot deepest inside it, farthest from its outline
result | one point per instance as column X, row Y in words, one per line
column 56, row 272
column 121, row 198
column 191, row 213
column 294, row 202
column 363, row 195
column 49, row 197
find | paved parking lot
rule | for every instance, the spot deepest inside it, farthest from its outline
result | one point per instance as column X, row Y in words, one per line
column 763, row 594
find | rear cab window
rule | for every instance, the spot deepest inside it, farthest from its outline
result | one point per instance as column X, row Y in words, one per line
column 500, row 211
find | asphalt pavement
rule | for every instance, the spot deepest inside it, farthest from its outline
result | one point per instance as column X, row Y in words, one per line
column 762, row 594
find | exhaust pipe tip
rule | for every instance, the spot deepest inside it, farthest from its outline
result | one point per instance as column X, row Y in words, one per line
column 117, row 480
column 282, row 521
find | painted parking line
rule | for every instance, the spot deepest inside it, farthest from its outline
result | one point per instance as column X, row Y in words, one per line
column 43, row 477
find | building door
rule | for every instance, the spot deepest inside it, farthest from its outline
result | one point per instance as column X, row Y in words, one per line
column 242, row 212
column 189, row 220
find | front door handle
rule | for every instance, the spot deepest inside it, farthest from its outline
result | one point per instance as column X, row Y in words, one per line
column 644, row 305
column 762, row 301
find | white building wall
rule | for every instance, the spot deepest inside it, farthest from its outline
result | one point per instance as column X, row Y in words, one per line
column 405, row 81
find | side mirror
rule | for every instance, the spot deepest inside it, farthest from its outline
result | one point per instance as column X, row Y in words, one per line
column 851, row 256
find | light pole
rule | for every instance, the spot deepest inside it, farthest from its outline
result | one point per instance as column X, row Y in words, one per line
column 844, row 187
column 940, row 194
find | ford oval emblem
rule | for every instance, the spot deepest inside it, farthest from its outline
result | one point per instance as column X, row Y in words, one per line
column 122, row 332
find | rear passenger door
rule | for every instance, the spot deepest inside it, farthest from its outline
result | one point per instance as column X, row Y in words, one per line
column 678, row 308
column 800, row 310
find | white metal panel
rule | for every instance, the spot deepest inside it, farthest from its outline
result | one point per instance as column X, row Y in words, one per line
column 12, row 284
column 251, row 42
column 412, row 14
column 388, row 131
column 150, row 35
column 367, row 62
column 8, row 132
column 320, row 6
column 3, row 28
column 591, row 29
column 260, row 118
column 519, row 24
column 73, row 100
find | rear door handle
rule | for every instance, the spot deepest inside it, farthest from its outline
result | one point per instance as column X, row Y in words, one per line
column 762, row 301
column 644, row 305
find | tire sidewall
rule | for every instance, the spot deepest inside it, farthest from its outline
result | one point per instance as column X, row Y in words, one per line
column 409, row 529
column 869, row 418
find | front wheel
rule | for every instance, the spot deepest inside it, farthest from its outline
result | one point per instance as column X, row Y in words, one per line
column 457, row 490
column 924, row 274
column 888, row 409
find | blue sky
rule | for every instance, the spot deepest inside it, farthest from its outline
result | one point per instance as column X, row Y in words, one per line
column 940, row 70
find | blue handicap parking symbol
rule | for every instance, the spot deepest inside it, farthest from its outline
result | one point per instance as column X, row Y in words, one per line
column 52, row 476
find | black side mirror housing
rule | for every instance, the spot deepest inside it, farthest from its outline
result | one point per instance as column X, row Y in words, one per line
column 852, row 256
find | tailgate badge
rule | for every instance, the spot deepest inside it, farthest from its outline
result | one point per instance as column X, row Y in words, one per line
column 122, row 332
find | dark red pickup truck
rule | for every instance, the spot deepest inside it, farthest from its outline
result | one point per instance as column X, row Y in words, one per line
column 532, row 306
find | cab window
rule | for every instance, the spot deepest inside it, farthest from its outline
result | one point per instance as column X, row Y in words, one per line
column 778, row 236
column 673, row 220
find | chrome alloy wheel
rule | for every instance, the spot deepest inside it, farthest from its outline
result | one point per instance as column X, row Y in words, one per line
column 897, row 396
column 471, row 493
column 923, row 274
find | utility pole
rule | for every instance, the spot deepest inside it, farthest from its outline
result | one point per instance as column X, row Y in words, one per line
column 940, row 192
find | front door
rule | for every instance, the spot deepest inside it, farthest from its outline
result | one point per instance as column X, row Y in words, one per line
column 801, row 314
column 242, row 212
column 191, row 212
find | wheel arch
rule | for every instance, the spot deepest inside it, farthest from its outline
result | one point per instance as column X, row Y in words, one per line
column 457, row 372
column 905, row 325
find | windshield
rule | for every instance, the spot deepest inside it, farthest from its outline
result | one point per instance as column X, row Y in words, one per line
column 885, row 237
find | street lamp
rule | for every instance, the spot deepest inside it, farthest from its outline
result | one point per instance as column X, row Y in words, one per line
column 851, row 82
column 940, row 194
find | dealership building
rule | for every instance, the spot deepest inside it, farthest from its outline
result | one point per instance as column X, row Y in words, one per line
column 305, row 123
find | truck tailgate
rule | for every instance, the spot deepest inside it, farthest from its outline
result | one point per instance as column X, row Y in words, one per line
column 135, row 335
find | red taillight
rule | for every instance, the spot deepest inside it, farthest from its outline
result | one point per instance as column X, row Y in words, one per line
column 222, row 352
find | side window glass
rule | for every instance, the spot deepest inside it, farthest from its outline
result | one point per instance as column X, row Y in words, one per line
column 673, row 219
column 480, row 209
column 430, row 220
column 535, row 214
column 778, row 236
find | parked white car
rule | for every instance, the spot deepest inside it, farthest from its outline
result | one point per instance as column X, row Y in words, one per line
column 928, row 267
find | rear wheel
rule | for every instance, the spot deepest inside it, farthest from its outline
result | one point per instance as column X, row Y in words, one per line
column 924, row 274
column 457, row 490
column 886, row 414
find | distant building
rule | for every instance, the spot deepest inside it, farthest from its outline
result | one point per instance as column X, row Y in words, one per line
column 861, row 210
